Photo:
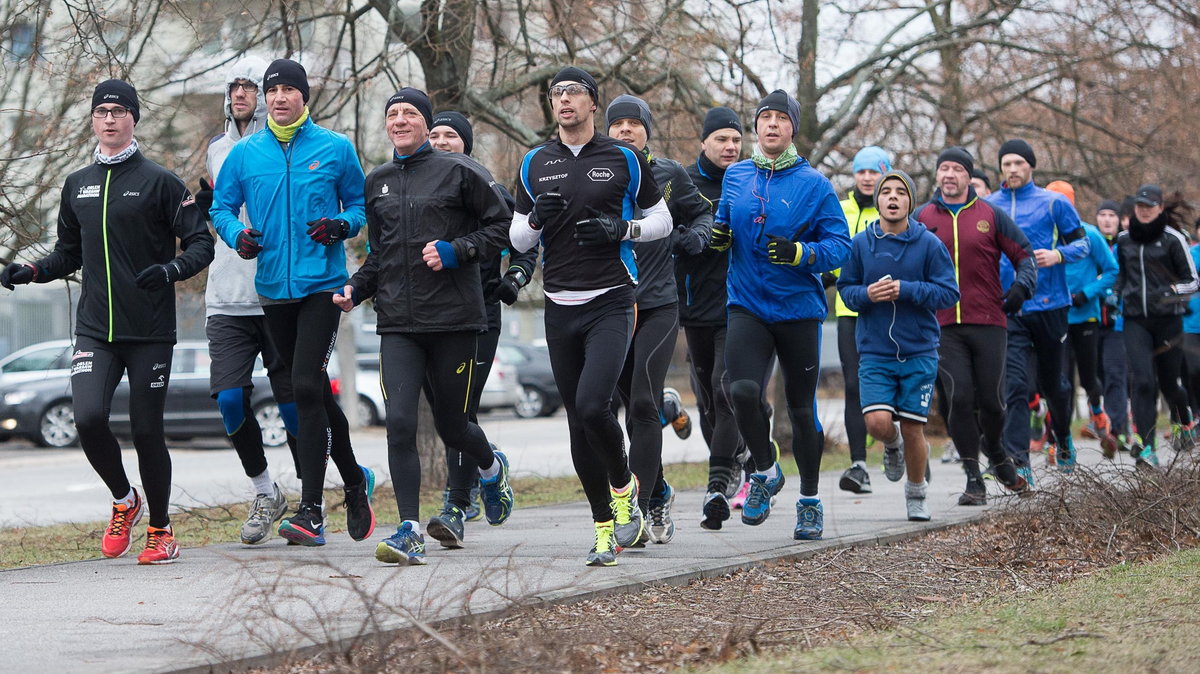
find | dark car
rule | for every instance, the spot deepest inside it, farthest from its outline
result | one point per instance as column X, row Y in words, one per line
column 539, row 394
column 41, row 409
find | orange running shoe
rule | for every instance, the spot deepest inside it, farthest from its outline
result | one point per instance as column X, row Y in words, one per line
column 161, row 547
column 118, row 537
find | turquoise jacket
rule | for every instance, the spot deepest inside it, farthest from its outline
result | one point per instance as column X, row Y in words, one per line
column 1093, row 276
column 284, row 187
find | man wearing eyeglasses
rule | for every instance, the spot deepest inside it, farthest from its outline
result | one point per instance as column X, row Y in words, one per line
column 234, row 323
column 118, row 220
column 587, row 197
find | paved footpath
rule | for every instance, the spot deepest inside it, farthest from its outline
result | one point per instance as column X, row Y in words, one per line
column 230, row 602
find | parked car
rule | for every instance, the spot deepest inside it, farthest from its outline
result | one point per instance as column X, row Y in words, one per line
column 39, row 361
column 539, row 395
column 41, row 409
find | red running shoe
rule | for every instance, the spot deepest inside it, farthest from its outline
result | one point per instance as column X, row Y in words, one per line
column 118, row 537
column 161, row 547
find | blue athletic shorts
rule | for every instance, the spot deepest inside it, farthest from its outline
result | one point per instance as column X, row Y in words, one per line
column 903, row 388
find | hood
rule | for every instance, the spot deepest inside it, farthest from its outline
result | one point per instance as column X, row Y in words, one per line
column 881, row 243
column 250, row 68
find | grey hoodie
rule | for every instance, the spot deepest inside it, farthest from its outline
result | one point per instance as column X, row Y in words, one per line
column 230, row 290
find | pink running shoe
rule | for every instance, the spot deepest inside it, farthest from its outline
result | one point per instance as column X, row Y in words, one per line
column 739, row 499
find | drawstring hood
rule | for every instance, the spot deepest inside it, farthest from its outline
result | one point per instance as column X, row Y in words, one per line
column 250, row 69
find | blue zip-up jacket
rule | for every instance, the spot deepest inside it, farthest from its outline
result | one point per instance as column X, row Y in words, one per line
column 1093, row 276
column 284, row 188
column 1051, row 223
column 908, row 327
column 796, row 203
column 1191, row 320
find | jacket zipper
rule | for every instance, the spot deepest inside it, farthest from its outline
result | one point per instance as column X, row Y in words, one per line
column 287, row 179
column 1142, row 262
column 107, row 261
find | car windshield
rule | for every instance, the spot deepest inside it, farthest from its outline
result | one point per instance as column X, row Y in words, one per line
column 44, row 359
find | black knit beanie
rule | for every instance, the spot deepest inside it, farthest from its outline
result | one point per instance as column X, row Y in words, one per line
column 957, row 155
column 629, row 107
column 720, row 118
column 1109, row 205
column 982, row 175
column 121, row 93
column 461, row 125
column 286, row 71
column 415, row 98
column 780, row 101
column 1018, row 147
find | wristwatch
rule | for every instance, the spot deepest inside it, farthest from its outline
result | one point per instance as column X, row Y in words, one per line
column 635, row 229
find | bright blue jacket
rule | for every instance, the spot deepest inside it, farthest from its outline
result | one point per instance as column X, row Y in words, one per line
column 908, row 327
column 796, row 203
column 1051, row 223
column 284, row 188
column 1093, row 276
column 1191, row 320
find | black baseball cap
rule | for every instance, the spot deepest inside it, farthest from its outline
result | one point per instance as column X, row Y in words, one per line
column 1149, row 195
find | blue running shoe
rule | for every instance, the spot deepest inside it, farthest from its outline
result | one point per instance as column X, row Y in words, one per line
column 761, row 497
column 810, row 519
column 497, row 493
column 306, row 527
column 1027, row 473
column 447, row 527
column 1064, row 458
column 403, row 547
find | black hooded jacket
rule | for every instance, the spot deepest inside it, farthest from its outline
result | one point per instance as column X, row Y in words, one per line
column 1156, row 275
column 700, row 279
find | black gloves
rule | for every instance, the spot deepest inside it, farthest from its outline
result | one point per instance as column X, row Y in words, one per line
column 328, row 232
column 506, row 291
column 783, row 251
column 828, row 279
column 158, row 276
column 547, row 207
column 248, row 246
column 17, row 274
column 204, row 198
column 1078, row 299
column 686, row 241
column 1014, row 298
column 600, row 229
column 722, row 238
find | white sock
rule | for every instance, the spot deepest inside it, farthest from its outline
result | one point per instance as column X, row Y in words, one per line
column 916, row 489
column 816, row 496
column 895, row 444
column 770, row 473
column 491, row 471
column 860, row 464
column 129, row 499
column 416, row 526
column 263, row 483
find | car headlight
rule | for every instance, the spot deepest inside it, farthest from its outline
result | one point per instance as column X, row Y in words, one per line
column 19, row 397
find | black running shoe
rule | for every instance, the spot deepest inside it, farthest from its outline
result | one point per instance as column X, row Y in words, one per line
column 448, row 528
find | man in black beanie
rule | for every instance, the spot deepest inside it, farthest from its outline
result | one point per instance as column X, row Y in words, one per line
column 118, row 220
column 285, row 72
column 578, row 195
column 700, row 280
column 981, row 182
column 1039, row 324
column 648, row 405
column 450, row 131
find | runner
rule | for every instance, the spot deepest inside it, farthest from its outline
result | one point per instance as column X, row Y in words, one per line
column 118, row 220
column 981, row 183
column 782, row 223
column 1155, row 282
column 973, row 333
column 640, row 386
column 1088, row 280
column 577, row 194
column 302, row 188
column 1113, row 372
column 1040, row 327
column 452, row 132
column 859, row 206
column 897, row 277
column 421, row 256
column 234, row 323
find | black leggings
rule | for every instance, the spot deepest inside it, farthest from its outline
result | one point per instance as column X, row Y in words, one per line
column 1038, row 337
column 710, row 383
column 640, row 389
column 1114, row 374
column 462, row 472
column 96, row 368
column 444, row 364
column 1191, row 358
column 1152, row 346
column 1083, row 342
column 587, row 344
column 971, row 382
column 856, row 425
column 304, row 332
column 798, row 344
